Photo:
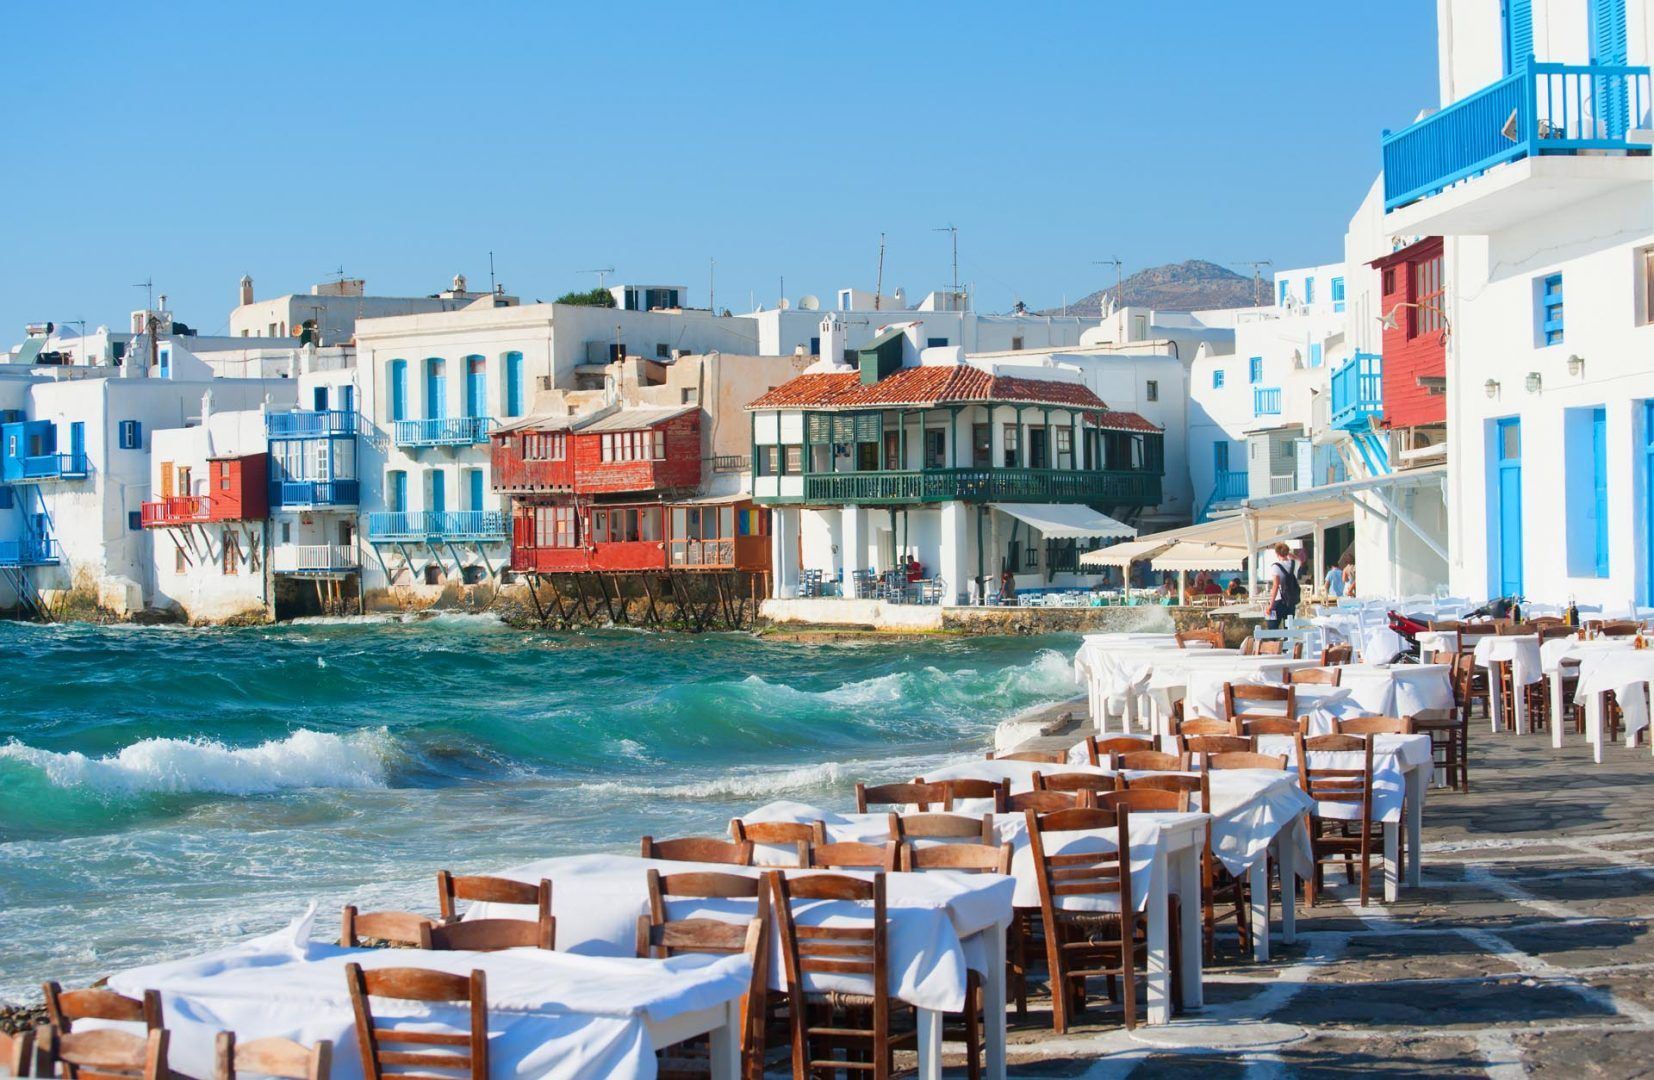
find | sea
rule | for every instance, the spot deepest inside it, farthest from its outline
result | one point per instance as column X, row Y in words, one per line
column 165, row 790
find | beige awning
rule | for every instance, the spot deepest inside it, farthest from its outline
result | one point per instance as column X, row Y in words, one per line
column 1123, row 555
column 1066, row 521
column 1192, row 556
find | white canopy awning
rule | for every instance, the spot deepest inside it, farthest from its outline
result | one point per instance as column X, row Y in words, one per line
column 1192, row 556
column 1125, row 554
column 1066, row 521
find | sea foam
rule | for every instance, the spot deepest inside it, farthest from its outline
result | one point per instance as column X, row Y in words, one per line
column 304, row 759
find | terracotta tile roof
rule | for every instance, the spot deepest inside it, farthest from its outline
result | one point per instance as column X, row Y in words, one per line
column 1121, row 421
column 936, row 385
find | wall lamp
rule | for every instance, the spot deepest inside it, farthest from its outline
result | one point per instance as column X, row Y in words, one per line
column 1492, row 388
column 1532, row 382
column 1576, row 365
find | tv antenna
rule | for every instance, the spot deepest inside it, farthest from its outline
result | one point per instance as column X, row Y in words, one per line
column 148, row 285
column 602, row 274
column 953, row 231
column 878, row 281
column 492, row 288
column 1118, row 265
column 1257, row 266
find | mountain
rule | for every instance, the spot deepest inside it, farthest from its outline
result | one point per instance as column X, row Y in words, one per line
column 1187, row 286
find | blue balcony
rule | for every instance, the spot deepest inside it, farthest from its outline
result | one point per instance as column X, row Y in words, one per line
column 485, row 526
column 310, row 424
column 1266, row 401
column 443, row 431
column 305, row 494
column 1231, row 486
column 1357, row 392
column 29, row 551
column 1541, row 109
column 40, row 468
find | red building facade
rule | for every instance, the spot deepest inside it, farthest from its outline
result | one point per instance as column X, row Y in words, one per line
column 237, row 490
column 1411, row 283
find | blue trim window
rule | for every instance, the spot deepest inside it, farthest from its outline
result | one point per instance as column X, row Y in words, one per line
column 1217, row 378
column 1550, row 310
column 1309, row 290
column 1280, row 292
column 513, row 384
column 131, row 435
column 936, row 343
column 135, row 520
column 1599, row 487
column 1315, row 355
column 1337, row 294
column 399, row 389
column 1254, row 370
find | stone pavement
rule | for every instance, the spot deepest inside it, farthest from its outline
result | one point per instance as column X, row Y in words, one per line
column 1526, row 950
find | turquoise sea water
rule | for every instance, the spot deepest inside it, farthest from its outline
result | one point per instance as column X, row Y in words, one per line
column 165, row 790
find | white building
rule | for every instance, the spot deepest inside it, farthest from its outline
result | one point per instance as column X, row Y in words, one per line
column 1547, row 302
column 333, row 308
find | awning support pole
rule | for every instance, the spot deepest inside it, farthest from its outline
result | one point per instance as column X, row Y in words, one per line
column 1406, row 519
column 1251, row 525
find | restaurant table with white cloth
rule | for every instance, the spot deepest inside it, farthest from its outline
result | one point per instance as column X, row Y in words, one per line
column 1521, row 652
column 550, row 1014
column 940, row 924
column 1626, row 672
column 1558, row 654
column 1197, row 680
column 1115, row 669
column 1398, row 689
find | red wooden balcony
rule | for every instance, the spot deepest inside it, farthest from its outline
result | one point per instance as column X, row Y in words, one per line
column 178, row 510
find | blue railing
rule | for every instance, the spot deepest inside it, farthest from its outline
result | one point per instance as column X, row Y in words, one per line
column 1541, row 109
column 29, row 551
column 1266, row 401
column 423, row 525
column 310, row 423
column 443, row 431
column 1231, row 485
column 37, row 467
column 294, row 493
column 1357, row 392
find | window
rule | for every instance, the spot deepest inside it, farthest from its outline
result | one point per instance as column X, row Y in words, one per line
column 223, row 476
column 398, row 375
column 1065, row 447
column 135, row 520
column 1309, row 290
column 794, row 460
column 396, row 490
column 1016, row 344
column 513, row 384
column 1550, row 310
column 663, row 351
column 936, row 343
column 1217, row 378
column 1254, row 369
column 179, row 563
column 131, row 435
column 769, row 461
column 1280, row 292
column 1645, row 268
column 634, row 446
column 1012, row 458
column 1389, row 281
column 1585, row 479
column 936, row 448
column 556, row 526
column 1337, row 294
column 815, row 346
column 232, row 553
column 893, row 450
column 544, row 446
column 1151, row 391
column 690, row 395
column 982, row 450
column 1315, row 355
column 1427, row 294
column 476, row 386
column 1038, row 445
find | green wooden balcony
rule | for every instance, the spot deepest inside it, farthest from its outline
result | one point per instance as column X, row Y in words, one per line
column 1116, row 488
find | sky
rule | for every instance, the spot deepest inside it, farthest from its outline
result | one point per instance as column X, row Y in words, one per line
column 190, row 143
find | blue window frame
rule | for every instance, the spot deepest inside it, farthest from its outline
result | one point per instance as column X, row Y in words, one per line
column 1599, row 487
column 396, row 491
column 1517, row 16
column 1507, row 446
column 131, row 435
column 439, row 492
column 1309, row 290
column 513, row 384
column 77, row 443
column 347, row 398
column 1220, row 457
column 1315, row 355
column 476, row 386
column 1280, row 292
column 319, row 398
column 936, row 342
column 399, row 389
column 1217, row 378
column 135, row 520
column 436, row 388
column 473, row 489
column 1550, row 310
column 1254, row 370
column 1337, row 294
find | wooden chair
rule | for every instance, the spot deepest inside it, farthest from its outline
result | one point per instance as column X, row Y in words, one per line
column 785, row 833
column 1272, row 647
column 1555, row 631
column 1141, row 799
column 1204, row 726
column 1470, row 683
column 429, row 1051
column 1217, row 744
column 1334, row 655
column 822, row 1023
column 1098, row 751
column 1274, row 725
column 978, row 858
column 923, row 796
column 1449, row 731
column 1045, row 802
column 1041, row 757
column 850, row 855
column 1073, row 782
column 904, row 828
column 104, row 1054
column 1249, row 647
column 1153, row 761
column 1515, row 629
column 1612, row 628
column 17, row 1053
column 1238, row 697
column 702, row 849
column 965, row 788
column 1211, row 635
column 1246, row 761
column 1080, row 944
column 272, row 1057
column 1374, row 725
column 490, row 890
column 64, row 1007
column 491, row 935
column 1342, row 787
column 1314, row 676
column 395, row 927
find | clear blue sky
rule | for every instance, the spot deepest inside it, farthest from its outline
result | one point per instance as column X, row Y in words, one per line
column 197, row 142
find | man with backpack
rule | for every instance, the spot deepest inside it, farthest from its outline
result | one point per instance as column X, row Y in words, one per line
column 1283, row 588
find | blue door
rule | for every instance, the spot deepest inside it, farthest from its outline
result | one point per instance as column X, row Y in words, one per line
column 1609, row 48
column 476, row 386
column 347, row 398
column 1220, row 459
column 513, row 384
column 436, row 388
column 1508, row 455
column 399, row 389
column 473, row 499
column 320, row 394
column 77, row 444
column 439, row 492
column 1599, row 486
column 1648, row 501
column 397, row 497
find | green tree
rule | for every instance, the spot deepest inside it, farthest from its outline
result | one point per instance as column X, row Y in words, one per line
column 592, row 298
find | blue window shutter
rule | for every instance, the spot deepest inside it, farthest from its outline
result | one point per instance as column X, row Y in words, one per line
column 1217, row 378
column 1280, row 292
column 1550, row 312
column 1599, row 471
column 1518, row 34
column 1309, row 290
column 1608, row 37
column 514, row 384
column 1338, row 288
column 1315, row 355
column 399, row 389
column 1255, row 369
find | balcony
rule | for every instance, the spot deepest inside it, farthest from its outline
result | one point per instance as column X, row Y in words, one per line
column 41, row 468
column 1357, row 392
column 1118, row 488
column 28, row 551
column 1266, row 401
column 1542, row 111
column 443, row 431
column 1231, row 486
column 176, row 510
column 310, row 494
column 310, row 423
column 314, row 559
column 435, row 526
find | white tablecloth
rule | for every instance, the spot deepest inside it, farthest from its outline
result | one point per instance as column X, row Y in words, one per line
column 550, row 1014
column 597, row 899
column 1627, row 672
column 1521, row 651
column 1435, row 641
column 1113, row 666
column 1392, row 755
column 1198, row 680
column 1556, row 651
column 1398, row 689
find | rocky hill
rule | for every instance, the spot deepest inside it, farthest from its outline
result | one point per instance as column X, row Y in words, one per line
column 1187, row 286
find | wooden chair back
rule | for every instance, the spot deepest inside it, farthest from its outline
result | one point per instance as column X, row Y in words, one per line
column 1203, row 725
column 1273, row 725
column 1218, row 744
column 1072, row 781
column 1045, row 802
column 1345, row 787
column 64, row 1007
column 104, row 1054
column 1315, row 676
column 702, row 849
column 1064, row 876
column 942, row 827
column 1554, row 631
column 491, row 935
column 1474, row 629
column 1145, row 800
column 1097, row 750
column 1175, row 782
column 1153, row 761
column 1334, row 655
column 698, row 885
column 1245, row 761
column 781, row 833
column 426, row 1051
column 1515, row 629
column 978, row 858
column 851, row 855
column 1249, row 647
column 491, row 890
column 976, row 788
column 272, row 1057
column 1040, row 757
column 1237, row 697
column 1374, row 725
column 396, row 927
column 923, row 796
column 1612, row 627
column 1211, row 635
column 17, row 1052
column 1272, row 647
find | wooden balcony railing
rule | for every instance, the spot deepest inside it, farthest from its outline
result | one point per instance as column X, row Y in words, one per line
column 1115, row 487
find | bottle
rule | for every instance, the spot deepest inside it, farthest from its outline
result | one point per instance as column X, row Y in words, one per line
column 1515, row 610
column 1572, row 617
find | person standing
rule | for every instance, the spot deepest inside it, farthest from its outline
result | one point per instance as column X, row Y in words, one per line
column 1335, row 581
column 1283, row 588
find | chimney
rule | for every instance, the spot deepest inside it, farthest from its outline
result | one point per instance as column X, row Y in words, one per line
column 832, row 339
column 246, row 289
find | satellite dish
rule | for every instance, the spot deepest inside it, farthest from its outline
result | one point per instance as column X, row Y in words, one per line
column 809, row 302
column 783, row 304
column 900, row 296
